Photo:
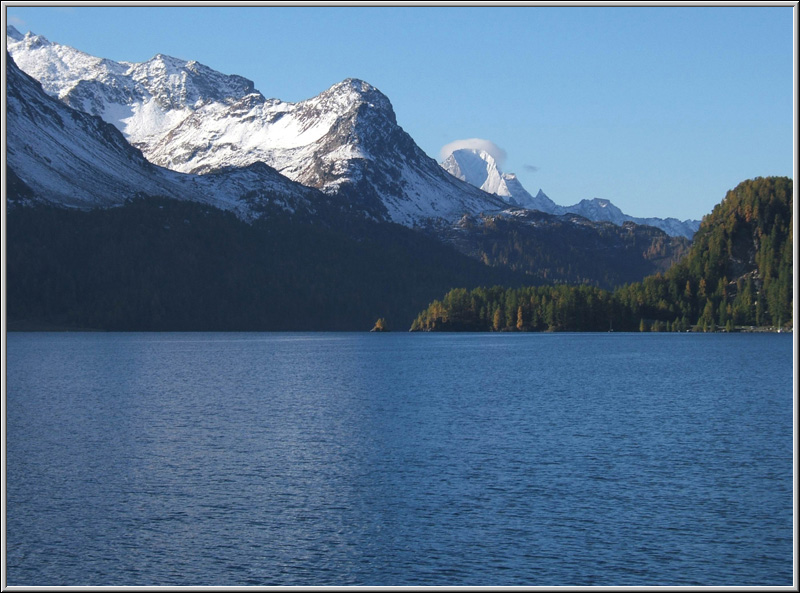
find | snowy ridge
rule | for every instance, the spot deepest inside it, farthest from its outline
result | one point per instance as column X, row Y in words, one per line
column 70, row 158
column 254, row 129
column 481, row 170
column 186, row 117
column 141, row 100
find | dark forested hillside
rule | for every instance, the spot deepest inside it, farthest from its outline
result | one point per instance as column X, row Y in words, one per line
column 568, row 248
column 738, row 272
column 159, row 264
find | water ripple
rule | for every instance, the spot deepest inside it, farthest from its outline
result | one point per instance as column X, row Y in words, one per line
column 319, row 459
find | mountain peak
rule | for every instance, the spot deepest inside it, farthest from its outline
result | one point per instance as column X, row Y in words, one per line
column 473, row 153
column 477, row 167
column 30, row 40
column 12, row 32
column 357, row 91
column 596, row 205
column 167, row 61
column 177, row 83
column 358, row 85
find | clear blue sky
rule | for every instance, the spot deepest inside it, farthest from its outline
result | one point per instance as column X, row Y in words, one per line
column 659, row 109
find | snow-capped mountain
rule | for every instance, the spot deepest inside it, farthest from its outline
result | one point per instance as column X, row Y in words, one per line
column 481, row 170
column 603, row 210
column 477, row 167
column 70, row 158
column 186, row 117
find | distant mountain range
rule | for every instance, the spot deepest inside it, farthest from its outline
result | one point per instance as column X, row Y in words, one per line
column 480, row 169
column 188, row 118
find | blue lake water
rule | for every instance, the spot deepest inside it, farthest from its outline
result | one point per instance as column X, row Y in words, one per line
column 399, row 459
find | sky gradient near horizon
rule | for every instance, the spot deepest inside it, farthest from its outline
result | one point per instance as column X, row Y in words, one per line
column 659, row 109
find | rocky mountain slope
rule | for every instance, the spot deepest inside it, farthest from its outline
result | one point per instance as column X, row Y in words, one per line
column 58, row 155
column 187, row 117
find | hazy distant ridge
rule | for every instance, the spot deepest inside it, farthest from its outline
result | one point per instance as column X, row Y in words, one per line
column 479, row 168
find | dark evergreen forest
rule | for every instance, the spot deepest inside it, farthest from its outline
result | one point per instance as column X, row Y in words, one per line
column 166, row 265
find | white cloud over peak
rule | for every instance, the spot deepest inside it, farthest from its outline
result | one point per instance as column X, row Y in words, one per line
column 497, row 153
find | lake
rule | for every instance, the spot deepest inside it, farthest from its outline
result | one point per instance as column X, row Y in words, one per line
column 399, row 459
